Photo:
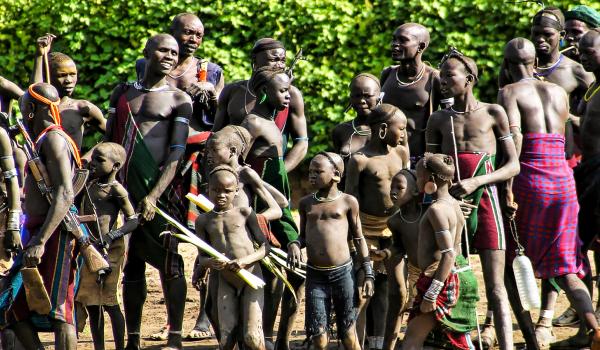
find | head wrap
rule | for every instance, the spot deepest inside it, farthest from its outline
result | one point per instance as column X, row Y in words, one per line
column 265, row 44
column 550, row 17
column 53, row 105
column 585, row 14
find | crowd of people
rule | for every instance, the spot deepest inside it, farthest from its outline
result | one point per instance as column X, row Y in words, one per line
column 422, row 177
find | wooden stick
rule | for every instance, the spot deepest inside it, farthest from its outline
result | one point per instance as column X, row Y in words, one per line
column 46, row 64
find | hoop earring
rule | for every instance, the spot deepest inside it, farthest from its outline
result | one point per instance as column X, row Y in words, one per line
column 30, row 116
column 384, row 133
column 263, row 98
column 430, row 186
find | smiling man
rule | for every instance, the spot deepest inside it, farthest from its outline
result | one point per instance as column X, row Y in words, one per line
column 150, row 119
column 75, row 114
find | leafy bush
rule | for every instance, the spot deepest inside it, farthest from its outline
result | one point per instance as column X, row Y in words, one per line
column 340, row 38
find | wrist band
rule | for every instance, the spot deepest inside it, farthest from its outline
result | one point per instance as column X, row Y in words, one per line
column 115, row 234
column 14, row 219
column 112, row 110
column 451, row 249
column 294, row 242
column 434, row 290
column 366, row 265
column 301, row 139
column 506, row 137
column 177, row 146
column 183, row 120
column 132, row 217
column 9, row 174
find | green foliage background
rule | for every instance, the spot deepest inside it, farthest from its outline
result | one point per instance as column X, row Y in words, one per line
column 340, row 38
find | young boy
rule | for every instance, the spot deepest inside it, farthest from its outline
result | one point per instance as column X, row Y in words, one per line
column 107, row 198
column 326, row 217
column 446, row 288
column 368, row 179
column 233, row 231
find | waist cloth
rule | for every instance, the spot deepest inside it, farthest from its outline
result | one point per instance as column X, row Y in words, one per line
column 377, row 236
column 139, row 175
column 59, row 269
column 455, row 305
column 587, row 179
column 547, row 215
column 272, row 171
column 484, row 225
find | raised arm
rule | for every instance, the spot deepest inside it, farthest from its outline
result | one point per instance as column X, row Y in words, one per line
column 43, row 44
column 177, row 143
column 10, row 89
column 58, row 166
column 298, row 131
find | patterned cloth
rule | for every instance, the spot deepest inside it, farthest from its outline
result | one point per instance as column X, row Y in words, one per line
column 193, row 153
column 455, row 305
column 272, row 171
column 484, row 225
column 59, row 271
column 547, row 215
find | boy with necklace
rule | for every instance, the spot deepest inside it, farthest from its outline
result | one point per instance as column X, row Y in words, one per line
column 326, row 218
column 368, row 179
column 106, row 199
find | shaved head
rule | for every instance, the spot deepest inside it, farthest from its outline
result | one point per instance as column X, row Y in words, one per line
column 45, row 90
column 520, row 50
column 153, row 42
column 417, row 30
column 182, row 19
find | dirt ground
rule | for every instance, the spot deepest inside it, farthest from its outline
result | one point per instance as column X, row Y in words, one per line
column 155, row 314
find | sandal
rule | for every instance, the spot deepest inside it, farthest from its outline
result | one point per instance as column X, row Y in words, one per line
column 199, row 334
column 163, row 334
column 487, row 336
column 568, row 318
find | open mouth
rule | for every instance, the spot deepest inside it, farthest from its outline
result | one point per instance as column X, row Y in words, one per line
column 166, row 65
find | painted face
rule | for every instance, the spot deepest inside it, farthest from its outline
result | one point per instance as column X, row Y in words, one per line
column 64, row 77
column 545, row 39
column 164, row 57
column 101, row 163
column 589, row 52
column 217, row 153
column 321, row 172
column 405, row 44
column 278, row 92
column 222, row 189
column 364, row 95
column 574, row 30
column 270, row 58
column 396, row 131
column 400, row 192
column 453, row 78
column 189, row 34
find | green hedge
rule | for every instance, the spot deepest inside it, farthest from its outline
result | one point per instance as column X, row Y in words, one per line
column 340, row 38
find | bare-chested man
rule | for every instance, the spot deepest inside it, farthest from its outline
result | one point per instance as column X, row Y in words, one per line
column 578, row 21
column 328, row 218
column 473, row 131
column 586, row 174
column 272, row 86
column 447, row 291
column 234, row 231
column 368, row 178
column 76, row 114
column 547, row 201
column 153, row 116
column 47, row 244
column 238, row 99
column 412, row 85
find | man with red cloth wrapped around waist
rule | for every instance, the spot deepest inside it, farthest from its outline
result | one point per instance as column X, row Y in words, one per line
column 468, row 130
column 545, row 192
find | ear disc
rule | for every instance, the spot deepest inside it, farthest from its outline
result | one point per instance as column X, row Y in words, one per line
column 336, row 177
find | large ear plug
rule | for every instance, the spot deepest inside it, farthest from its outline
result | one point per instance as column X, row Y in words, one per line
column 337, row 176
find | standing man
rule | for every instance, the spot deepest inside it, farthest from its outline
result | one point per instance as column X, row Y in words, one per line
column 238, row 99
column 412, row 85
column 47, row 244
column 544, row 190
column 150, row 119
column 473, row 131
column 579, row 21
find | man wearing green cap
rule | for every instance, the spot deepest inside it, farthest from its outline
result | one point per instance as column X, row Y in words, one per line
column 578, row 21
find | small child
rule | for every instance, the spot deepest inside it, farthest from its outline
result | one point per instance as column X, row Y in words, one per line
column 326, row 217
column 107, row 198
column 446, row 288
column 233, row 231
